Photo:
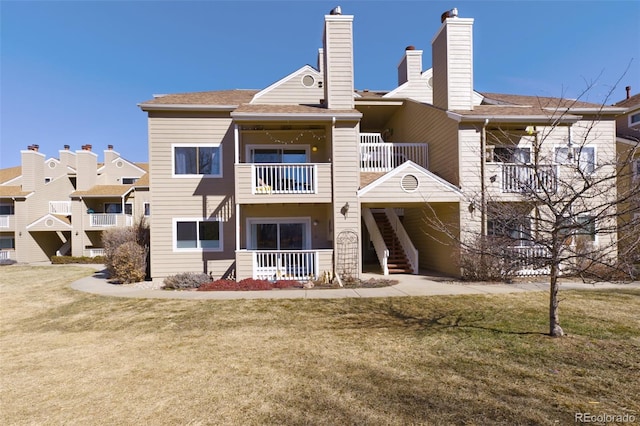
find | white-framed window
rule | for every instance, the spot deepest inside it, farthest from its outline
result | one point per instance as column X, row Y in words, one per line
column 516, row 229
column 582, row 227
column 582, row 156
column 191, row 234
column 129, row 180
column 270, row 233
column 277, row 154
column 147, row 209
column 509, row 154
column 191, row 160
column 634, row 119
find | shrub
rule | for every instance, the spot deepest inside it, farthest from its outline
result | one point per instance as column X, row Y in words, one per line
column 64, row 260
column 247, row 284
column 129, row 263
column 185, row 280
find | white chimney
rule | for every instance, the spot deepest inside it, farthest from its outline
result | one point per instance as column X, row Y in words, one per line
column 452, row 50
column 410, row 67
column 338, row 60
column 87, row 168
column 32, row 168
column 67, row 157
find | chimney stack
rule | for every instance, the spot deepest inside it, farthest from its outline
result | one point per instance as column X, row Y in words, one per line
column 452, row 60
column 86, row 168
column 410, row 67
column 338, row 60
column 32, row 168
column 628, row 89
column 67, row 157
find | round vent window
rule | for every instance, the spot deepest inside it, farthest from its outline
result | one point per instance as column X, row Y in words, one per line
column 409, row 183
column 52, row 164
column 119, row 164
column 48, row 223
column 308, row 80
column 430, row 82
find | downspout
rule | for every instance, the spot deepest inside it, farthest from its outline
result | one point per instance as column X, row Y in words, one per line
column 483, row 201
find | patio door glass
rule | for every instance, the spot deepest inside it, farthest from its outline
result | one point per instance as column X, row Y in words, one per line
column 275, row 235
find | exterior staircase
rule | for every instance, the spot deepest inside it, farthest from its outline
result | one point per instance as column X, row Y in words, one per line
column 398, row 263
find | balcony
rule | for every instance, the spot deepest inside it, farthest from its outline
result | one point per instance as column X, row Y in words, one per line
column 107, row 220
column 522, row 178
column 528, row 260
column 60, row 207
column 278, row 183
column 7, row 254
column 379, row 156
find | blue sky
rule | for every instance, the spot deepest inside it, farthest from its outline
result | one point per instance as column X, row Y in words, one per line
column 73, row 72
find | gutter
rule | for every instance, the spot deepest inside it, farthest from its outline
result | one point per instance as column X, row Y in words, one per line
column 568, row 119
column 186, row 107
column 331, row 117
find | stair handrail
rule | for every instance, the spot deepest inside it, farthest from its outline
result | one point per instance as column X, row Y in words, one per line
column 376, row 238
column 409, row 249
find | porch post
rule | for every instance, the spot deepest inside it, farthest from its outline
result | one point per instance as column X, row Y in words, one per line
column 237, row 226
column 236, row 141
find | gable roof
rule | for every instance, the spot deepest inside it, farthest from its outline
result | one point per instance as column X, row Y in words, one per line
column 12, row 191
column 633, row 101
column 50, row 222
column 308, row 69
column 10, row 173
column 438, row 189
column 104, row 191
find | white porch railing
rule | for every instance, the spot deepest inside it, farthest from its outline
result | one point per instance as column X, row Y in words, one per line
column 525, row 178
column 110, row 219
column 527, row 260
column 376, row 238
column 60, row 207
column 384, row 156
column 95, row 252
column 285, row 264
column 5, row 254
column 4, row 221
column 299, row 178
column 409, row 249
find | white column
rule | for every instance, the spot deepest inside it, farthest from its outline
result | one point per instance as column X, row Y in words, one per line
column 236, row 141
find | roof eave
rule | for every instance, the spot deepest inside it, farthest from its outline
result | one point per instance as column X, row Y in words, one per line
column 252, row 116
column 478, row 118
column 186, row 107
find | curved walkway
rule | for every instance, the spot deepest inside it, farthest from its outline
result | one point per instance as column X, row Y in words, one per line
column 408, row 285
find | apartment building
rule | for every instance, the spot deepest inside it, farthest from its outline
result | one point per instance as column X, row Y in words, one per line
column 60, row 206
column 310, row 175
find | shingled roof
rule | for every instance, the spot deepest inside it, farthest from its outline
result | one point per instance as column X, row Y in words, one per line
column 218, row 97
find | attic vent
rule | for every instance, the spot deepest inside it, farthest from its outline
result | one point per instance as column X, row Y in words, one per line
column 52, row 164
column 119, row 164
column 409, row 183
column 308, row 80
column 48, row 223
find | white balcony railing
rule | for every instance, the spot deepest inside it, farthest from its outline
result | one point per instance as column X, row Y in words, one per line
column 110, row 219
column 285, row 265
column 94, row 252
column 60, row 207
column 5, row 254
column 527, row 178
column 384, row 156
column 300, row 178
column 4, row 221
column 528, row 260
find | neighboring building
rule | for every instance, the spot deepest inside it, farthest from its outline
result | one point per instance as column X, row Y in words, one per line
column 309, row 175
column 62, row 205
column 628, row 148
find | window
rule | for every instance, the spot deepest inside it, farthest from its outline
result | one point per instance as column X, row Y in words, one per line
column 129, row 181
column 636, row 169
column 583, row 227
column 197, row 160
column 198, row 234
column 583, row 156
column 116, row 208
column 279, row 234
column 516, row 229
column 511, row 154
column 7, row 243
column 278, row 155
column 634, row 119
column 147, row 209
column 6, row 209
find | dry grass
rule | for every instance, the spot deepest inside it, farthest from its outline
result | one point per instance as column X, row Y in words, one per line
column 75, row 358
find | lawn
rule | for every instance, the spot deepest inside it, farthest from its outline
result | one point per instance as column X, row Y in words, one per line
column 74, row 358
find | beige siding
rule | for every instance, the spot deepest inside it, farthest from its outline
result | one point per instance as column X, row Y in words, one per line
column 32, row 170
column 338, row 50
column 391, row 190
column 416, row 122
column 440, row 69
column 437, row 252
column 86, row 170
column 470, row 160
column 291, row 90
column 178, row 197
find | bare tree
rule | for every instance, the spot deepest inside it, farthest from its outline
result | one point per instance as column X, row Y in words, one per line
column 556, row 199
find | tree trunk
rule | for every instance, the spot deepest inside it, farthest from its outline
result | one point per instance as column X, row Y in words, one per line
column 554, row 321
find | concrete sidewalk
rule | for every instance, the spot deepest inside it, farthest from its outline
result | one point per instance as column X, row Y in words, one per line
column 408, row 285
